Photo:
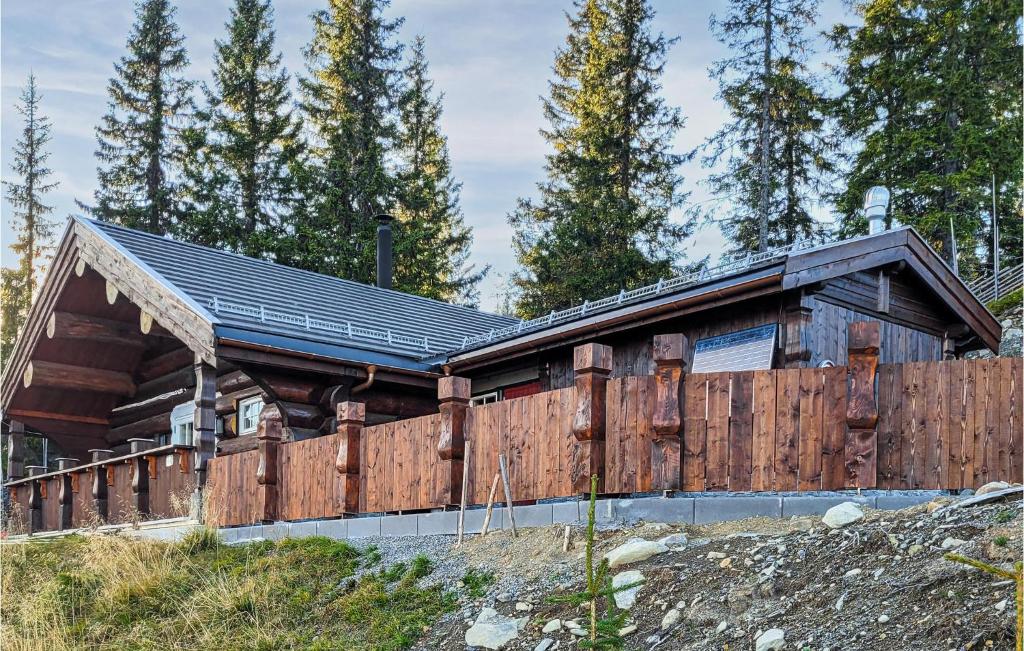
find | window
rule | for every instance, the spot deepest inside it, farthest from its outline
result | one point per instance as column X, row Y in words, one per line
column 746, row 350
column 181, row 423
column 249, row 415
column 483, row 399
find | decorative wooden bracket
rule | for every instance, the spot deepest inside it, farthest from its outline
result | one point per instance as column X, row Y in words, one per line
column 863, row 341
column 65, row 497
column 350, row 419
column 669, row 356
column 37, row 493
column 102, row 476
column 268, row 434
column 16, row 451
column 453, row 393
column 592, row 364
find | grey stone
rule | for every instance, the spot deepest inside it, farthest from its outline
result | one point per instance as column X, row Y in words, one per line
column 796, row 505
column 771, row 640
column 625, row 599
column 243, row 534
column 842, row 515
column 655, row 509
column 475, row 520
column 337, row 529
column 398, row 525
column 275, row 531
column 675, row 541
column 552, row 626
column 992, row 487
column 533, row 515
column 493, row 631
column 302, row 529
column 544, row 644
column 893, row 502
column 364, row 527
column 228, row 535
column 720, row 509
column 634, row 550
column 438, row 523
column 569, row 512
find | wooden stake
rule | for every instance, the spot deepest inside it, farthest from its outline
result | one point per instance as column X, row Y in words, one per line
column 565, row 540
column 490, row 504
column 508, row 493
column 462, row 503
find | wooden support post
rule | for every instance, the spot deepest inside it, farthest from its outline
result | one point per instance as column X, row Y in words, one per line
column 204, row 422
column 863, row 341
column 592, row 364
column 66, row 497
column 350, row 417
column 35, row 499
column 799, row 312
column 453, row 393
column 490, row 504
column 669, row 353
column 268, row 435
column 16, row 451
column 99, row 482
column 140, row 475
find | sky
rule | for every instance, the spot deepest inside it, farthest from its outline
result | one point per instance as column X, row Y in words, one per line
column 491, row 58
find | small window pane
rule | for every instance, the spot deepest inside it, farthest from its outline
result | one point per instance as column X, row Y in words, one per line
column 249, row 415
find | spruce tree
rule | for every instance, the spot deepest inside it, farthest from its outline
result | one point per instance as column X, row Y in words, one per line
column 348, row 100
column 603, row 220
column 140, row 137
column 932, row 93
column 432, row 239
column 33, row 230
column 246, row 144
column 774, row 147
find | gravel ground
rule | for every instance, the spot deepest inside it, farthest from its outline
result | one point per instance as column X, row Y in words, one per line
column 880, row 583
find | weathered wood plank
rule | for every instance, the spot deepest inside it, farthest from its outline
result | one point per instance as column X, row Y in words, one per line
column 811, row 435
column 834, row 430
column 741, row 427
column 890, row 424
column 1010, row 418
column 717, row 470
column 787, row 429
column 694, row 431
column 763, row 449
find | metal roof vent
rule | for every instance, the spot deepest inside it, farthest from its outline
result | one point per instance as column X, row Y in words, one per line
column 876, row 202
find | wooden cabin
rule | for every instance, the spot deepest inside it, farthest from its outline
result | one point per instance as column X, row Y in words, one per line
column 139, row 343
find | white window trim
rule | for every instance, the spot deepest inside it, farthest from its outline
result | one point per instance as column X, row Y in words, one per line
column 242, row 404
column 182, row 414
column 484, row 399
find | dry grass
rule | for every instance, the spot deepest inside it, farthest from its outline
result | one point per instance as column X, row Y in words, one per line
column 119, row 592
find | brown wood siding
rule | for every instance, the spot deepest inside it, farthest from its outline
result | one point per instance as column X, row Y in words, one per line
column 307, row 479
column 232, row 489
column 400, row 469
column 629, row 434
column 170, row 492
column 83, row 512
column 900, row 344
column 120, row 506
column 18, row 522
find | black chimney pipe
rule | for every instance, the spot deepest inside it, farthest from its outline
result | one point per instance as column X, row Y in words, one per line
column 384, row 251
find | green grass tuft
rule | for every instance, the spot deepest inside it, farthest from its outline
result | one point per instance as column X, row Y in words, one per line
column 477, row 582
column 1000, row 541
column 1004, row 303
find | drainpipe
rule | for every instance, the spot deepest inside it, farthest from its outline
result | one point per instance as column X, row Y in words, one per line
column 371, row 371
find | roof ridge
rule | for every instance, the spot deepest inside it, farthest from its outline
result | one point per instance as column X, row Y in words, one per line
column 277, row 265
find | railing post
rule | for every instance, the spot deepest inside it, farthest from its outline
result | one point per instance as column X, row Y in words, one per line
column 453, row 393
column 204, row 425
column 66, row 496
column 16, row 451
column 669, row 356
column 99, row 482
column 863, row 341
column 592, row 364
column 268, row 434
column 140, row 475
column 350, row 417
column 35, row 499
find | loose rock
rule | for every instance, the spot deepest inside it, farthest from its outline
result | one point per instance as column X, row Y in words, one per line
column 552, row 626
column 544, row 644
column 842, row 515
column 675, row 542
column 670, row 619
column 625, row 599
column 634, row 550
column 992, row 487
column 493, row 631
column 770, row 640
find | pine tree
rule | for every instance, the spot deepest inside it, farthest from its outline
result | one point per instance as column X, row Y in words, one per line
column 604, row 217
column 432, row 239
column 33, row 230
column 932, row 93
column 246, row 143
column 349, row 100
column 775, row 148
column 140, row 137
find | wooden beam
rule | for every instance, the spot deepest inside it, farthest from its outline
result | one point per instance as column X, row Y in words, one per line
column 83, row 327
column 77, row 378
column 176, row 359
column 182, row 378
column 49, row 415
column 158, row 424
column 159, row 404
column 883, row 292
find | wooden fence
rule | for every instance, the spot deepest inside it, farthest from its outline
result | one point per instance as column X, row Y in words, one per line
column 936, row 425
column 105, row 491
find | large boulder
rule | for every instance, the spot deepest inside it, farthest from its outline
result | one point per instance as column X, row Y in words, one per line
column 992, row 487
column 625, row 599
column 634, row 550
column 842, row 515
column 494, row 631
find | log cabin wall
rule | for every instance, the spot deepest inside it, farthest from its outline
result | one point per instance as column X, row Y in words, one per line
column 900, row 343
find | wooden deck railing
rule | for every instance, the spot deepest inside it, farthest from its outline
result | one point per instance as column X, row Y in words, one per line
column 148, row 483
column 937, row 425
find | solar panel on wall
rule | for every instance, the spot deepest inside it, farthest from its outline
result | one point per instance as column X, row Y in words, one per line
column 746, row 350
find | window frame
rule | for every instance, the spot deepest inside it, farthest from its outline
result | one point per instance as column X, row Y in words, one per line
column 485, row 398
column 240, row 417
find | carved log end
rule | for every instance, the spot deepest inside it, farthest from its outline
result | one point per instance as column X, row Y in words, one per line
column 864, row 337
column 351, row 412
column 669, row 349
column 592, row 358
column 453, row 388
